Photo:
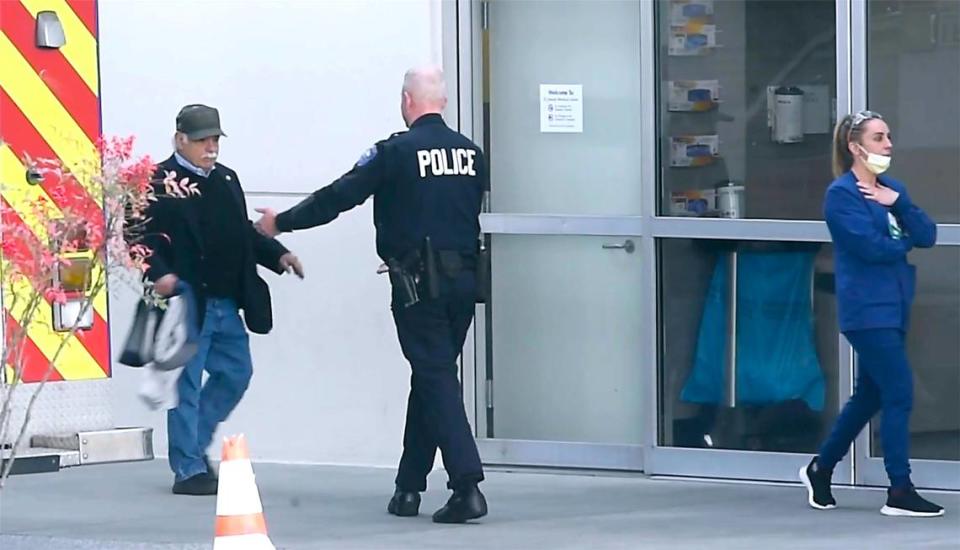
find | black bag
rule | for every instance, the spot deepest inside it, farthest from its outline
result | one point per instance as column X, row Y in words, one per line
column 138, row 349
column 167, row 336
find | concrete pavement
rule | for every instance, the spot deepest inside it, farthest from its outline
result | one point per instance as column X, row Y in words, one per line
column 129, row 506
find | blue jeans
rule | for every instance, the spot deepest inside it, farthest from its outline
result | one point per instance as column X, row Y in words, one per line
column 224, row 352
column 884, row 382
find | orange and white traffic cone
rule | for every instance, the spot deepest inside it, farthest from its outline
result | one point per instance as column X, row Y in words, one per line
column 240, row 523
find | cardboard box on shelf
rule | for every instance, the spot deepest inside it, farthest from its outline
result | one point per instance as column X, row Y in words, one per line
column 692, row 151
column 695, row 202
column 692, row 95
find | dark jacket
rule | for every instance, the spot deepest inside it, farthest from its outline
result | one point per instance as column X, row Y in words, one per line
column 173, row 233
column 428, row 181
column 875, row 283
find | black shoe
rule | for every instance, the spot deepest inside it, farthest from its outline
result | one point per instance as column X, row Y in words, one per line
column 907, row 503
column 465, row 504
column 200, row 484
column 404, row 503
column 817, row 483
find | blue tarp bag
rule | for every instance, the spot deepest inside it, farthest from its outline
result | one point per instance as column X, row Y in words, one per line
column 776, row 354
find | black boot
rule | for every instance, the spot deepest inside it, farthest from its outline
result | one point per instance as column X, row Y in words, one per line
column 465, row 504
column 404, row 503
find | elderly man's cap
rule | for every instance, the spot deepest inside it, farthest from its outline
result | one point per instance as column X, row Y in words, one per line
column 199, row 122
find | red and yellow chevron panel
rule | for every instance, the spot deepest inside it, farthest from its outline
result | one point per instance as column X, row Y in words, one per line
column 50, row 108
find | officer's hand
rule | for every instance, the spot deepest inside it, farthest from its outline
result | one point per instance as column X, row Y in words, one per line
column 290, row 263
column 267, row 224
column 166, row 285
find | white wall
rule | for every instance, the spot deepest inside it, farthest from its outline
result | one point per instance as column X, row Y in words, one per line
column 303, row 89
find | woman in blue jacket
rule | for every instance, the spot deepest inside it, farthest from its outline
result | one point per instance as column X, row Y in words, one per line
column 874, row 225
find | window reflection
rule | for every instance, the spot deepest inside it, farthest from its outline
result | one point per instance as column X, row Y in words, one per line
column 913, row 54
column 934, row 353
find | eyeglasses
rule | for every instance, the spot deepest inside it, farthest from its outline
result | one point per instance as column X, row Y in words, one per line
column 859, row 119
column 862, row 117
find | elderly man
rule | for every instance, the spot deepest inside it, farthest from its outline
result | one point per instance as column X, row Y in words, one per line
column 427, row 185
column 207, row 241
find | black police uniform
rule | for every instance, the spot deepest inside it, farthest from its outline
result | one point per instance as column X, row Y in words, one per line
column 426, row 182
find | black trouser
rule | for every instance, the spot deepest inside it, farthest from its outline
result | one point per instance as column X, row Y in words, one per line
column 431, row 335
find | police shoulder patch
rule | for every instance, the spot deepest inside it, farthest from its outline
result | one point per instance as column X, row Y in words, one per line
column 367, row 156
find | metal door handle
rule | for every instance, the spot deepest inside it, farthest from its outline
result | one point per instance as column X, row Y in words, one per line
column 627, row 246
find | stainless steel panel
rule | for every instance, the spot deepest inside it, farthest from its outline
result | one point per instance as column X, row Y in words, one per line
column 550, row 224
column 751, row 230
column 119, row 445
column 561, row 454
column 930, row 474
column 747, row 465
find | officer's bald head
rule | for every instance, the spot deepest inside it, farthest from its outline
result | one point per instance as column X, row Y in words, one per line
column 424, row 92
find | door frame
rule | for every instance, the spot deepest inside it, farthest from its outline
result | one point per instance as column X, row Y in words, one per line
column 471, row 17
column 869, row 470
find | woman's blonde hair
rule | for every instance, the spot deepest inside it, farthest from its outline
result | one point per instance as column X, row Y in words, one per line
column 848, row 129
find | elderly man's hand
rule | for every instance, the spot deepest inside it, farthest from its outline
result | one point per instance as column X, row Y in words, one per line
column 166, row 285
column 290, row 263
column 267, row 224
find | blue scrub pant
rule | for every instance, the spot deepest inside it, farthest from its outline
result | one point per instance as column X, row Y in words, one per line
column 884, row 383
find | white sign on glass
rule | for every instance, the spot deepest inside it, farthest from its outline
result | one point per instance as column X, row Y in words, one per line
column 561, row 108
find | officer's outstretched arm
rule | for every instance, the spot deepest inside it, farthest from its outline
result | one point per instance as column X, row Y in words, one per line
column 350, row 190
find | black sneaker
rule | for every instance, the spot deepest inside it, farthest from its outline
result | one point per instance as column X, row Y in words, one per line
column 817, row 483
column 907, row 503
column 200, row 484
column 211, row 471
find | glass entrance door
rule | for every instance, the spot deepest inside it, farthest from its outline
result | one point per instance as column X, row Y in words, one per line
column 561, row 382
column 750, row 362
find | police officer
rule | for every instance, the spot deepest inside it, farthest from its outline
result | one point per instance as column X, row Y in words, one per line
column 427, row 185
